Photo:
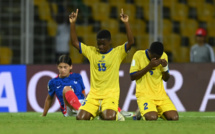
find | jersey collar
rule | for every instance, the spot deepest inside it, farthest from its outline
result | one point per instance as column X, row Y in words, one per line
column 107, row 51
column 58, row 76
column 147, row 55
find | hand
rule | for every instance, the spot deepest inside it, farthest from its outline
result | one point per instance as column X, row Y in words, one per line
column 154, row 62
column 73, row 16
column 123, row 16
column 163, row 62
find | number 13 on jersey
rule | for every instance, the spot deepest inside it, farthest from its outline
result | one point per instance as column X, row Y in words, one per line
column 101, row 66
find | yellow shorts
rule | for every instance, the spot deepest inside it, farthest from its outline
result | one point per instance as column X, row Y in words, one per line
column 94, row 106
column 159, row 106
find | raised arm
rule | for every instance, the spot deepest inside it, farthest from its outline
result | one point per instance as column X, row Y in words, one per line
column 47, row 104
column 124, row 18
column 72, row 19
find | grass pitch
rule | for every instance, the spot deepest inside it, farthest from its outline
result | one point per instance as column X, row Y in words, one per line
column 55, row 123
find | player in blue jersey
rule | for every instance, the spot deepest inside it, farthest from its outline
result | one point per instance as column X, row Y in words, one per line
column 68, row 88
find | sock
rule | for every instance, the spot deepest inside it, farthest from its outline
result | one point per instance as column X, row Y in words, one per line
column 72, row 99
column 119, row 109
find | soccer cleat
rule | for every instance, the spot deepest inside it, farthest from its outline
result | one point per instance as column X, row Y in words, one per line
column 137, row 115
column 120, row 117
column 126, row 114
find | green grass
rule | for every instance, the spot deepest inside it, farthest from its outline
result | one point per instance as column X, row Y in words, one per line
column 55, row 123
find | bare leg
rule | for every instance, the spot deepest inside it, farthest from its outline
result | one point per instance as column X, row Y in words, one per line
column 109, row 115
column 84, row 115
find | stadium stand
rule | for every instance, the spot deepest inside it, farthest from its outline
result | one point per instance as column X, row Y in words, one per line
column 167, row 27
column 118, row 39
column 101, row 11
column 205, row 12
column 211, row 28
column 195, row 3
column 5, row 55
column 142, row 41
column 188, row 27
column 111, row 24
column 181, row 18
column 179, row 12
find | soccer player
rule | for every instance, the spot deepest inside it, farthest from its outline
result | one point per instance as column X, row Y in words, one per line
column 67, row 86
column 149, row 68
column 104, row 71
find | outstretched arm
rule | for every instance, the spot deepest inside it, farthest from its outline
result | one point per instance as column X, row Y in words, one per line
column 72, row 19
column 124, row 18
column 47, row 105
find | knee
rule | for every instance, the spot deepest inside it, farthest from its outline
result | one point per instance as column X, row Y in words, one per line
column 171, row 115
column 109, row 117
column 151, row 117
column 78, row 117
column 66, row 88
column 173, row 118
column 82, row 115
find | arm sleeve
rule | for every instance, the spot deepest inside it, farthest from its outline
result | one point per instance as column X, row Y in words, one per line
column 211, row 54
column 51, row 88
column 122, row 50
column 191, row 55
column 165, row 56
column 86, row 50
column 81, row 82
column 134, row 64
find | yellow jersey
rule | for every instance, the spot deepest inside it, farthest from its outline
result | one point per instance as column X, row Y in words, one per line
column 104, row 70
column 149, row 85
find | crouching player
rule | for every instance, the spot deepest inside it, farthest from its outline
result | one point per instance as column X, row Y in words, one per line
column 149, row 68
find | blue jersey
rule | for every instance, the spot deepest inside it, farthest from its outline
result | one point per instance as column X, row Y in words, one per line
column 56, row 86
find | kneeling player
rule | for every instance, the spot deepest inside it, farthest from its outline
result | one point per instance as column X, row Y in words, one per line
column 149, row 68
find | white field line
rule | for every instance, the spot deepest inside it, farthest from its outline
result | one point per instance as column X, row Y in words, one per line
column 198, row 116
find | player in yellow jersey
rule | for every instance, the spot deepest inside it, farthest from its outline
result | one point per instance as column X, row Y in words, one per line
column 104, row 71
column 149, row 68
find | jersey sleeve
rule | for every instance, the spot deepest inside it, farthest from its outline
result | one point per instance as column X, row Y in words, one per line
column 211, row 54
column 122, row 50
column 134, row 64
column 164, row 56
column 86, row 50
column 191, row 54
column 51, row 88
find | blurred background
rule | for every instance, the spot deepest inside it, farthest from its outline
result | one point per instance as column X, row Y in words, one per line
column 37, row 31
